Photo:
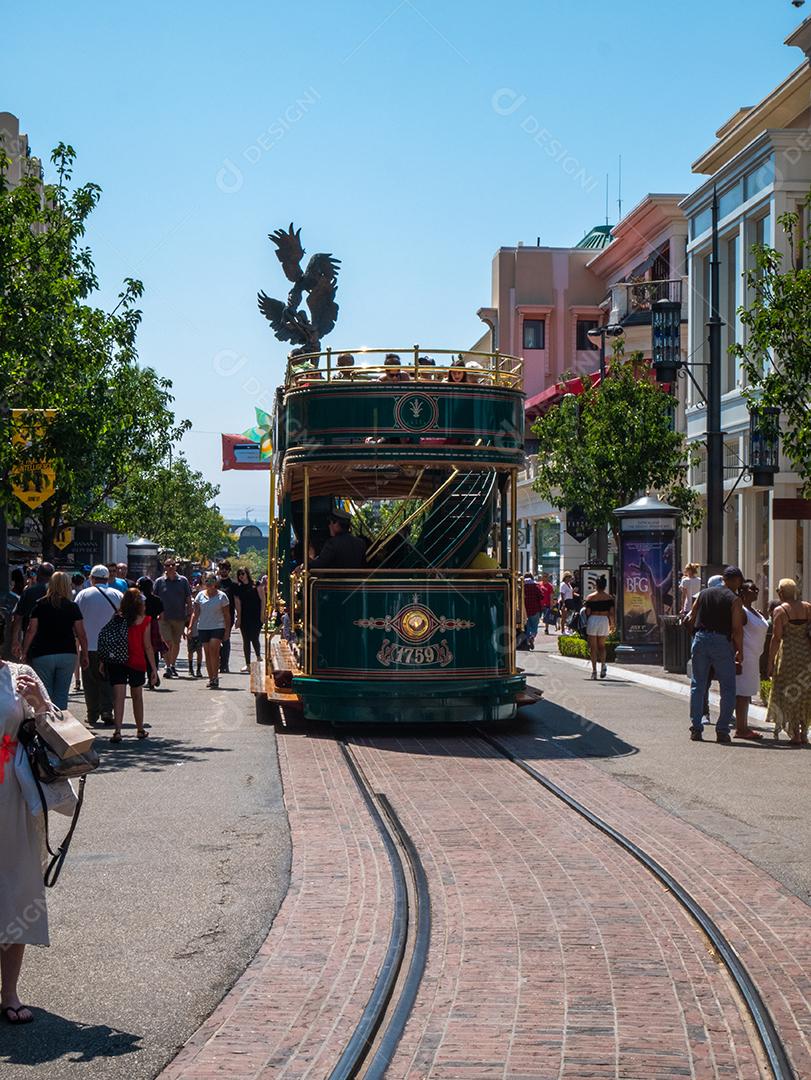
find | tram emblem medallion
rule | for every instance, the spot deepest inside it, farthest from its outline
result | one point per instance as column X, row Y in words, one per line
column 415, row 624
column 416, row 412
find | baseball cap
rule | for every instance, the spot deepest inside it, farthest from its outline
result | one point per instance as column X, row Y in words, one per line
column 715, row 582
column 733, row 571
column 100, row 571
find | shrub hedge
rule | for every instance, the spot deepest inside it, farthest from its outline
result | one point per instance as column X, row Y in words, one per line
column 574, row 645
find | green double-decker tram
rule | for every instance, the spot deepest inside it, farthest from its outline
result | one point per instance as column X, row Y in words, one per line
column 393, row 546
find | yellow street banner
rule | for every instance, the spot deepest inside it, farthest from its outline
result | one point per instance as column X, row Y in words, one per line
column 64, row 538
column 28, row 425
column 33, row 482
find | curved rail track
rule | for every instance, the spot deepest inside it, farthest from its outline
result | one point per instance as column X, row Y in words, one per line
column 411, row 923
column 371, row 1047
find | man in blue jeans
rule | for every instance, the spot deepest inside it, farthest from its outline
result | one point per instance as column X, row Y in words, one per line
column 717, row 617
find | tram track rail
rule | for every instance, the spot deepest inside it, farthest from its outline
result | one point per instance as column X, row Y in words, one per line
column 371, row 1047
column 772, row 1046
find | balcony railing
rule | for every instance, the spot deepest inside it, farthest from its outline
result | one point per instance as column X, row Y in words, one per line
column 631, row 301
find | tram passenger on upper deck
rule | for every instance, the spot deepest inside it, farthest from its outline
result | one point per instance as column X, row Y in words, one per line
column 457, row 372
column 345, row 364
column 425, row 364
column 393, row 369
column 342, row 551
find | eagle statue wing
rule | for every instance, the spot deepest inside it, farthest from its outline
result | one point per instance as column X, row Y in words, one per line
column 276, row 314
column 289, row 251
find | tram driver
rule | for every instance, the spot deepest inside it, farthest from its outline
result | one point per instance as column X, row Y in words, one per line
column 342, row 551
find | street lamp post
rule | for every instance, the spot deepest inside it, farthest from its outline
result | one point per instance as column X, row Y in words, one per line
column 602, row 332
column 715, row 435
column 611, row 330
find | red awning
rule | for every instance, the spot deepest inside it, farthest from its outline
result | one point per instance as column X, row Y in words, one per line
column 553, row 395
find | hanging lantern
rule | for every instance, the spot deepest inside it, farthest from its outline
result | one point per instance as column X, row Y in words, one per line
column 666, row 339
column 764, row 445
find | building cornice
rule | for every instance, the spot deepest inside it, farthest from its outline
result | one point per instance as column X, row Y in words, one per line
column 776, row 110
column 637, row 231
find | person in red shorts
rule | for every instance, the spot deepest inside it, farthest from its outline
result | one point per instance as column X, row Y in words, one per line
column 532, row 608
column 141, row 659
column 547, row 592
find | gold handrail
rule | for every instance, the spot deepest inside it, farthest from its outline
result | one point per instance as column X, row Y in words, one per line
column 500, row 369
column 392, row 526
column 420, row 510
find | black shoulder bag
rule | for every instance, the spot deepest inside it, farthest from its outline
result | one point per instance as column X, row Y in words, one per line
column 46, row 767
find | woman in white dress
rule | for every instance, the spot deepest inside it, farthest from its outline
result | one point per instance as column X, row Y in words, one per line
column 747, row 684
column 23, row 914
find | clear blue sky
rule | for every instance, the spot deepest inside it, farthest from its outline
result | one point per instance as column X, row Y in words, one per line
column 381, row 140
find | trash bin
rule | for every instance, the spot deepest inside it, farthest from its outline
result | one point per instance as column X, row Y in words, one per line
column 675, row 645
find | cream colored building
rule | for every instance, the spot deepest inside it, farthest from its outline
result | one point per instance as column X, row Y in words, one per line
column 760, row 165
column 16, row 147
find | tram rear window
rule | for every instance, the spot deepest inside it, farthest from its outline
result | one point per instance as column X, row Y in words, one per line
column 534, row 336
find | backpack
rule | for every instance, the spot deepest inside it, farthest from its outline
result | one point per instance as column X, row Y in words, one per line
column 113, row 645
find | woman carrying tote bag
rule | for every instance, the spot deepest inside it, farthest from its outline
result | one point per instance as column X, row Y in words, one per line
column 23, row 913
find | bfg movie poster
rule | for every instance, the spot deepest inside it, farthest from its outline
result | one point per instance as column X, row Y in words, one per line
column 647, row 561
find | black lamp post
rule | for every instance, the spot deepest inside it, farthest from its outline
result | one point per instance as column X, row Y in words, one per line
column 612, row 330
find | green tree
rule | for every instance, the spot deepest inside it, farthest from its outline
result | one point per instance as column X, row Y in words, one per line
column 776, row 353
column 173, row 506
column 255, row 560
column 600, row 449
column 58, row 351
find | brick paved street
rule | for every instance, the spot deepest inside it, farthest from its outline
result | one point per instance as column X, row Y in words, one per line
column 553, row 954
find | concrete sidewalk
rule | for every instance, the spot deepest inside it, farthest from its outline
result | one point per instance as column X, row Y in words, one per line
column 635, row 726
column 178, row 866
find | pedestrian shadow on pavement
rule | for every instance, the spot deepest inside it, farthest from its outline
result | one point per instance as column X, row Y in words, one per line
column 540, row 731
column 547, row 730
column 53, row 1037
column 151, row 755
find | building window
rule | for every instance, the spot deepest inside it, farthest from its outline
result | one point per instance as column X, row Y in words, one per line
column 759, row 179
column 700, row 222
column 534, row 335
column 583, row 339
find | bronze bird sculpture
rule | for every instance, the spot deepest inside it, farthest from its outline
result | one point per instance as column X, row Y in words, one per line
column 319, row 280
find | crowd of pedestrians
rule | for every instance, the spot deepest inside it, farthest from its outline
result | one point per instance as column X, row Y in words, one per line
column 729, row 640
column 58, row 620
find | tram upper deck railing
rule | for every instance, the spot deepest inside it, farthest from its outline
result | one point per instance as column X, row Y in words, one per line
column 416, row 363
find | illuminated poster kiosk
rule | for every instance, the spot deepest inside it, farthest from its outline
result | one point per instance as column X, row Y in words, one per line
column 647, row 580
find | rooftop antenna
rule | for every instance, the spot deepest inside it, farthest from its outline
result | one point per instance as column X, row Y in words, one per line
column 606, row 199
column 619, row 190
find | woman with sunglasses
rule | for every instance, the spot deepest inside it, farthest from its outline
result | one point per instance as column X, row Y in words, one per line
column 747, row 684
column 211, row 623
column 250, row 614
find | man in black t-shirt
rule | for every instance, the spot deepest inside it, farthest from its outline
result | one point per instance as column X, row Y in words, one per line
column 718, row 618
column 227, row 585
column 25, row 605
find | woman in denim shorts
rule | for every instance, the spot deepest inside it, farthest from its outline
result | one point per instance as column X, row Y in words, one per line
column 211, row 623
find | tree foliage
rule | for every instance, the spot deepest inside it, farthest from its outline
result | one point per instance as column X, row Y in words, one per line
column 57, row 351
column 173, row 506
column 776, row 354
column 599, row 450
